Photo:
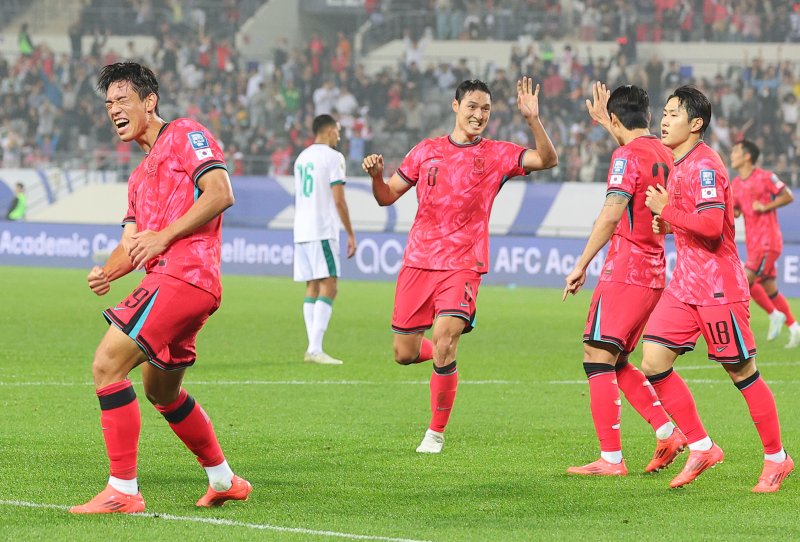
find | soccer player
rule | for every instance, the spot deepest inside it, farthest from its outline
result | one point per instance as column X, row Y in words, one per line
column 631, row 282
column 172, row 230
column 707, row 295
column 456, row 178
column 319, row 209
column 757, row 194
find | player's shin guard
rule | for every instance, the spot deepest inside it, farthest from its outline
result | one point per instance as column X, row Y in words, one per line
column 759, row 295
column 190, row 422
column 605, row 405
column 679, row 403
column 121, row 423
column 762, row 407
column 782, row 305
column 640, row 394
column 444, row 383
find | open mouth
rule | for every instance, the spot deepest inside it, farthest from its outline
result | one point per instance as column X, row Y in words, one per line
column 121, row 123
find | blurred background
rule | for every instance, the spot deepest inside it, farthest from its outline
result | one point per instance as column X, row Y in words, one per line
column 256, row 72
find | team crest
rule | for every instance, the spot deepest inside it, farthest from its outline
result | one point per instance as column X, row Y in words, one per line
column 478, row 164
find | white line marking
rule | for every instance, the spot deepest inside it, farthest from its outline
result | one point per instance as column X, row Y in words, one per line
column 228, row 522
column 277, row 383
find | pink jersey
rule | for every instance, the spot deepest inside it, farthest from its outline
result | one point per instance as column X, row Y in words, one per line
column 635, row 254
column 456, row 186
column 761, row 229
column 163, row 187
column 707, row 272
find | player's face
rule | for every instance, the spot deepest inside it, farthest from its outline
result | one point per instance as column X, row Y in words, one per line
column 675, row 125
column 128, row 112
column 336, row 135
column 473, row 112
column 737, row 157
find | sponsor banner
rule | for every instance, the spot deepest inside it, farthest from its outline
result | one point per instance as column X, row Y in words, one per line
column 520, row 261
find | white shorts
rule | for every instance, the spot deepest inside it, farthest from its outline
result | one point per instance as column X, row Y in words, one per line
column 316, row 260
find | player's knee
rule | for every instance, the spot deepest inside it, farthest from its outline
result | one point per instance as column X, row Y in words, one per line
column 405, row 356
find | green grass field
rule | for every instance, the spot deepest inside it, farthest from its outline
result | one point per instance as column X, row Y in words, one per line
column 330, row 450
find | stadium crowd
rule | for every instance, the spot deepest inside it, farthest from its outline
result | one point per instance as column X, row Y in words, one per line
column 261, row 111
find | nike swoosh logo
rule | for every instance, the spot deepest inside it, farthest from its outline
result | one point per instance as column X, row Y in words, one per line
column 465, row 304
column 435, row 161
column 721, row 348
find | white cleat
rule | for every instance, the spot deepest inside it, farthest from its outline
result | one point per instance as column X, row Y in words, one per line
column 321, row 358
column 432, row 443
column 776, row 321
column 794, row 338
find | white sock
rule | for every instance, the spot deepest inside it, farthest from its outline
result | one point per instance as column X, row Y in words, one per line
column 795, row 327
column 220, row 477
column 701, row 445
column 128, row 487
column 308, row 315
column 665, row 430
column 322, row 315
column 774, row 313
column 612, row 457
column 780, row 457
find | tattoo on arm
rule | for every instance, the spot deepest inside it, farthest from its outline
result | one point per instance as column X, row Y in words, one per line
column 616, row 199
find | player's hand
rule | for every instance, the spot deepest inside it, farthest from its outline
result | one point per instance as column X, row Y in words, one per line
column 660, row 226
column 528, row 98
column 759, row 207
column 373, row 165
column 574, row 281
column 657, row 198
column 145, row 245
column 98, row 281
column 352, row 245
column 598, row 105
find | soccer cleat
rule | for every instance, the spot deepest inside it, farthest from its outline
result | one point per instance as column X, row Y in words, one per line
column 111, row 501
column 239, row 491
column 667, row 450
column 432, row 443
column 776, row 321
column 794, row 338
column 322, row 358
column 601, row 467
column 773, row 474
column 698, row 462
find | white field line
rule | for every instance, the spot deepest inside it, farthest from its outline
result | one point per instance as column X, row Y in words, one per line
column 228, row 522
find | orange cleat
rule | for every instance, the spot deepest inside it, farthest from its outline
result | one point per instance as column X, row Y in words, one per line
column 698, row 462
column 601, row 467
column 667, row 450
column 111, row 501
column 239, row 491
column 773, row 474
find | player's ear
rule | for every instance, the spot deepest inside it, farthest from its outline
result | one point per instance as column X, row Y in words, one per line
column 455, row 106
column 151, row 102
column 696, row 124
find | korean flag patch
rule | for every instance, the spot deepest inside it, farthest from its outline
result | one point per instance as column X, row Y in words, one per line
column 708, row 193
column 615, row 179
column 708, row 178
column 618, row 168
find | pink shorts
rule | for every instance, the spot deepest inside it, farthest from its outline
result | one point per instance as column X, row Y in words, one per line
column 163, row 315
column 762, row 263
column 618, row 313
column 422, row 295
column 726, row 328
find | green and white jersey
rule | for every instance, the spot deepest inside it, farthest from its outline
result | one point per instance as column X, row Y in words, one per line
column 316, row 170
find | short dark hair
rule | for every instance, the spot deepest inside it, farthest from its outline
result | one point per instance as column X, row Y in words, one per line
column 140, row 77
column 695, row 103
column 471, row 85
column 321, row 122
column 631, row 105
column 750, row 148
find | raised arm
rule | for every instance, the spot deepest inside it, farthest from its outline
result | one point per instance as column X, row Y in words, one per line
column 385, row 193
column 544, row 156
column 598, row 107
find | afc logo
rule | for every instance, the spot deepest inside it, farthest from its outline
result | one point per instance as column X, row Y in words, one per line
column 198, row 140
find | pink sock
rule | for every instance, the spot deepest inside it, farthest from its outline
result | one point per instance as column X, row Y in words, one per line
column 121, row 424
column 759, row 295
column 783, row 306
column 192, row 425
column 605, row 405
column 762, row 407
column 677, row 400
column 641, row 395
column 425, row 351
column 444, row 383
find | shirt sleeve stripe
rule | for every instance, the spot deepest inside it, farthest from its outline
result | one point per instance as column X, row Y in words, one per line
column 340, row 181
column 521, row 160
column 206, row 166
column 405, row 178
column 619, row 193
column 705, row 206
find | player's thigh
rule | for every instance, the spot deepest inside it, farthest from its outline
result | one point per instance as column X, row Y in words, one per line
column 726, row 329
column 413, row 301
column 618, row 313
column 163, row 316
column 457, row 296
column 316, row 260
column 115, row 357
column 407, row 347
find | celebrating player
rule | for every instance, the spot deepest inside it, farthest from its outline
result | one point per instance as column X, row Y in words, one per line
column 172, row 229
column 457, row 178
column 757, row 194
column 320, row 205
column 707, row 295
column 631, row 283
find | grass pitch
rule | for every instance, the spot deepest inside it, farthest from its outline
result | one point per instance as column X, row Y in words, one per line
column 330, row 450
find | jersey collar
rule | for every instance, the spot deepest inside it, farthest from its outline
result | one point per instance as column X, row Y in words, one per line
column 160, row 131
column 471, row 144
column 682, row 158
